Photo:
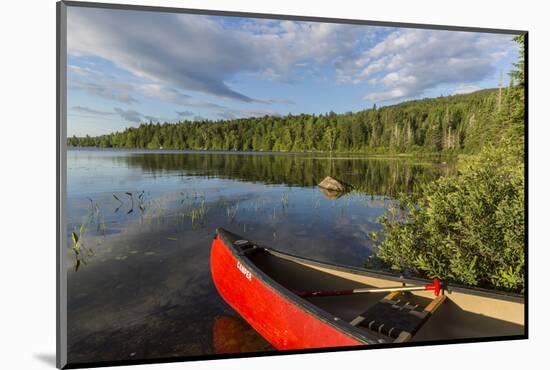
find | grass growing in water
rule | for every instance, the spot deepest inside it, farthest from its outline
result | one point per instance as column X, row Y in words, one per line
column 81, row 251
column 232, row 211
column 198, row 215
column 284, row 199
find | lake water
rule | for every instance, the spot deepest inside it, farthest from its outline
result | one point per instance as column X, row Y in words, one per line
column 140, row 286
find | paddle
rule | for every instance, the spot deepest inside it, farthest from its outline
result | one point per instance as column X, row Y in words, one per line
column 436, row 287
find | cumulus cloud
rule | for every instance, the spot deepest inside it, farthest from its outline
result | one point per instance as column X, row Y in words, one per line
column 200, row 62
column 164, row 48
column 409, row 62
column 197, row 53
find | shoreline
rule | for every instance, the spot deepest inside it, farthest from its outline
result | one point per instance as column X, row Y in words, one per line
column 338, row 155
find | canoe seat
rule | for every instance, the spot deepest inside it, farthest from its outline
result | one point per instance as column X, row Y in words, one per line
column 395, row 317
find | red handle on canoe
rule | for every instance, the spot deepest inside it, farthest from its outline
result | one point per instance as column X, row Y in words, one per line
column 436, row 287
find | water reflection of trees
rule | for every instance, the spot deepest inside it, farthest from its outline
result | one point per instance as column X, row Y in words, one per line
column 373, row 176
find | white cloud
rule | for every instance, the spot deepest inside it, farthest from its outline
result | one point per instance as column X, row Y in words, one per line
column 177, row 57
column 408, row 62
column 197, row 53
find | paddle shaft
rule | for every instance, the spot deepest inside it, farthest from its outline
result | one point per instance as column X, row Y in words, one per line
column 436, row 287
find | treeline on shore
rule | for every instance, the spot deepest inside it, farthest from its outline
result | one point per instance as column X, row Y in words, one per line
column 459, row 123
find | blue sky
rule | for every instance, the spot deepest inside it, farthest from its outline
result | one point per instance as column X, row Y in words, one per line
column 126, row 67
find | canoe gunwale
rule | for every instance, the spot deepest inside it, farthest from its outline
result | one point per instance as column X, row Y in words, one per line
column 450, row 288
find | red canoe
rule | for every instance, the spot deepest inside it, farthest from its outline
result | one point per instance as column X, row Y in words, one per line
column 262, row 285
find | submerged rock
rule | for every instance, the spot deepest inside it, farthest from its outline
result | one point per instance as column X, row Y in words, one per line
column 334, row 185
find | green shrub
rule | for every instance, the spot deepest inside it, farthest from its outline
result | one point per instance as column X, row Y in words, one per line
column 467, row 228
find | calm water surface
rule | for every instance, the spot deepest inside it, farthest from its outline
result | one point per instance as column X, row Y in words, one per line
column 140, row 286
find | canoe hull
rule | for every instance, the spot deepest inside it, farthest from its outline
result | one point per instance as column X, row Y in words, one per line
column 260, row 283
column 281, row 321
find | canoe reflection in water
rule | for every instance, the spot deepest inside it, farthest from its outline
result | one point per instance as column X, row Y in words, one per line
column 234, row 335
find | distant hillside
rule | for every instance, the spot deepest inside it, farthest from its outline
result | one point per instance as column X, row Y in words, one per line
column 458, row 123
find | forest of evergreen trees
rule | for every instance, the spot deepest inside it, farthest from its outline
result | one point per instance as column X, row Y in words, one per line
column 458, row 123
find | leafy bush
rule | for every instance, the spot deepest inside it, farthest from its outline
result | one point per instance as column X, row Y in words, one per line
column 467, row 228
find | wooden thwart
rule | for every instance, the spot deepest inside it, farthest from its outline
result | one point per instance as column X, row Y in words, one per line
column 397, row 319
column 435, row 303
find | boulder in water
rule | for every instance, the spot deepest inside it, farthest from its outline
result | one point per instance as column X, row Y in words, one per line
column 334, row 185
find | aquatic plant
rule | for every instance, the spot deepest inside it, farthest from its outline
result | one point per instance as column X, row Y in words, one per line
column 78, row 243
column 232, row 211
column 77, row 238
column 198, row 214
column 132, row 200
column 121, row 203
column 284, row 199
